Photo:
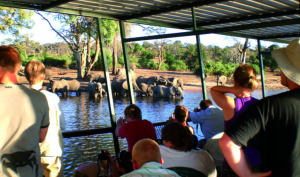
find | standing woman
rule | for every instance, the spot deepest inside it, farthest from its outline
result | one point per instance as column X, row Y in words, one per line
column 244, row 79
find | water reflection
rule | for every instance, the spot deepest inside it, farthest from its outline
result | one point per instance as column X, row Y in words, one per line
column 83, row 113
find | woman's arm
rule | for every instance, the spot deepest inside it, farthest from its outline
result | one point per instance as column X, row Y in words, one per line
column 225, row 102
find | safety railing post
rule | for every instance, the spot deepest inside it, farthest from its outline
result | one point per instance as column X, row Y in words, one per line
column 126, row 61
column 261, row 68
column 199, row 56
column 108, row 85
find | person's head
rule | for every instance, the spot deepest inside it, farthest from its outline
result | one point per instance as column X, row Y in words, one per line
column 204, row 104
column 35, row 71
column 10, row 59
column 288, row 60
column 145, row 150
column 245, row 76
column 124, row 163
column 176, row 136
column 181, row 113
column 133, row 112
column 90, row 169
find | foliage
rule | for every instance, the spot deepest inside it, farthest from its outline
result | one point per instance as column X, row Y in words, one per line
column 99, row 64
column 13, row 20
column 146, row 56
column 132, row 59
column 217, row 68
column 269, row 61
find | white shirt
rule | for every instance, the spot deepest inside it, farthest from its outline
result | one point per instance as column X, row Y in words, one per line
column 53, row 144
column 211, row 121
column 197, row 159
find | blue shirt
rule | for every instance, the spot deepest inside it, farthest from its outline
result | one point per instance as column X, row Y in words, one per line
column 211, row 121
column 152, row 169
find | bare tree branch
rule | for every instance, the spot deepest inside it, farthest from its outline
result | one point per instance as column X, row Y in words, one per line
column 55, row 30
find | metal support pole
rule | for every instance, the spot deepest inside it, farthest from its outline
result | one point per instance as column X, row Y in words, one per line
column 199, row 56
column 261, row 68
column 108, row 85
column 126, row 61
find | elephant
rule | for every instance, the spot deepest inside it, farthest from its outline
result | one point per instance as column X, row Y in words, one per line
column 167, row 91
column 151, row 80
column 48, row 74
column 131, row 66
column 119, row 86
column 170, row 82
column 221, row 79
column 146, row 89
column 74, row 86
column 122, row 73
column 61, row 86
column 176, row 82
column 95, row 90
column 96, row 78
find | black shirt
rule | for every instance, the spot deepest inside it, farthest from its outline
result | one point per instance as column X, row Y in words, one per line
column 272, row 126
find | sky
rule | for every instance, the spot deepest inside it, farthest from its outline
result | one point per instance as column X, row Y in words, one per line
column 42, row 33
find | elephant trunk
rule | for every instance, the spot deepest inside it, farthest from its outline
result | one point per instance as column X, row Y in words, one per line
column 181, row 95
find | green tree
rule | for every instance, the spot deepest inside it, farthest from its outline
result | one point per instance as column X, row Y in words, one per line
column 268, row 60
column 77, row 30
column 12, row 20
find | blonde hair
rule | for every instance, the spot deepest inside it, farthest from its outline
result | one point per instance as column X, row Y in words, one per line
column 34, row 70
column 146, row 150
column 245, row 76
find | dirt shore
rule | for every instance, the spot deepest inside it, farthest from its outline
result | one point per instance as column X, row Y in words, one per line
column 191, row 81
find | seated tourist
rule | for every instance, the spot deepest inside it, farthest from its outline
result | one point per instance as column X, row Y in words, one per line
column 177, row 151
column 90, row 169
column 122, row 165
column 211, row 120
column 133, row 128
column 181, row 114
column 147, row 160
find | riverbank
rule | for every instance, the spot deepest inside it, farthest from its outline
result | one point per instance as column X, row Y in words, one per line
column 191, row 81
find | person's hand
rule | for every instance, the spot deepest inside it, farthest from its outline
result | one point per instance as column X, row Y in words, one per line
column 120, row 121
column 197, row 109
column 104, row 166
column 241, row 92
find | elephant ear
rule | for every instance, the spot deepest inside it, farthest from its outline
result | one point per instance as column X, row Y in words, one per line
column 172, row 90
column 125, row 85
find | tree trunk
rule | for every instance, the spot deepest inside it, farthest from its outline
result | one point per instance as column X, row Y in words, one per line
column 77, row 56
column 96, row 55
column 115, row 55
column 160, row 59
column 83, row 60
column 245, row 51
column 88, row 58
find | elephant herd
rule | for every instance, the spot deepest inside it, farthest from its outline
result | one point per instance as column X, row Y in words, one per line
column 153, row 86
column 63, row 86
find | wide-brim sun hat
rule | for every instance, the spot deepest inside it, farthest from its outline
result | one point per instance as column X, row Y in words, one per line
column 288, row 60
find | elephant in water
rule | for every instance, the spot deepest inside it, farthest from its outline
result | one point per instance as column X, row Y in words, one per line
column 146, row 89
column 61, row 86
column 74, row 86
column 48, row 74
column 167, row 91
column 150, row 81
column 221, row 79
column 95, row 89
column 170, row 81
column 119, row 84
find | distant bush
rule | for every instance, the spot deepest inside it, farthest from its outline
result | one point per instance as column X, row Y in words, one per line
column 178, row 65
column 99, row 65
column 256, row 68
column 217, row 68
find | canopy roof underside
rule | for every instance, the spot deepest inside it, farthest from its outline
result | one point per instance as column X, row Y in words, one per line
column 277, row 20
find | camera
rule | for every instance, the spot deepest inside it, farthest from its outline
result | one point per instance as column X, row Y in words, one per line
column 103, row 155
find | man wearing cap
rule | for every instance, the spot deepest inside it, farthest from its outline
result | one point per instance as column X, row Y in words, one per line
column 271, row 125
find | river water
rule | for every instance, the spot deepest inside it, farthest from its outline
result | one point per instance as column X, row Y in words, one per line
column 82, row 113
